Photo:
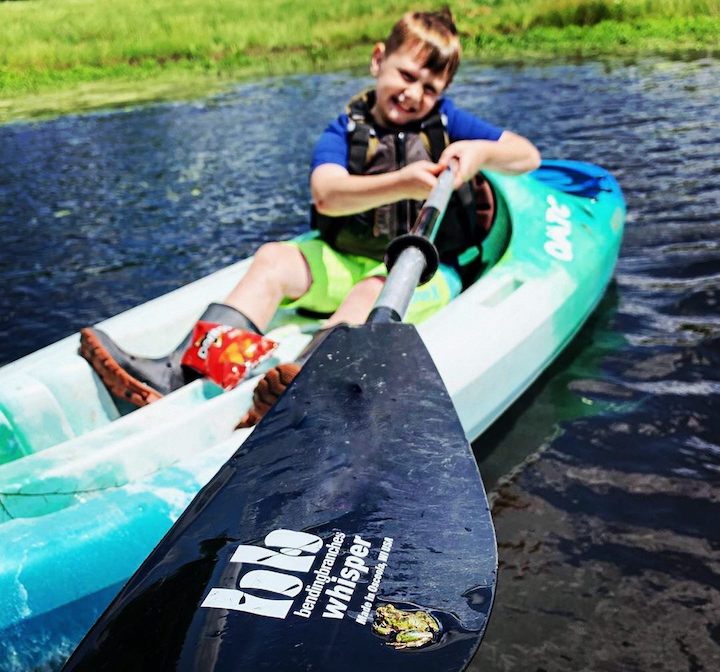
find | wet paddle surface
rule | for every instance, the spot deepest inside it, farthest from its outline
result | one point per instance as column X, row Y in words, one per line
column 604, row 476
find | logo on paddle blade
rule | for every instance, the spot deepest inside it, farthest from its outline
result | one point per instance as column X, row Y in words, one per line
column 296, row 553
column 272, row 589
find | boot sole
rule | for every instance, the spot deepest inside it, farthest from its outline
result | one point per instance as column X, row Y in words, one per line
column 118, row 381
column 270, row 388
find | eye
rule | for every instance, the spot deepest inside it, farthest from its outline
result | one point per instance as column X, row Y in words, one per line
column 430, row 90
column 408, row 76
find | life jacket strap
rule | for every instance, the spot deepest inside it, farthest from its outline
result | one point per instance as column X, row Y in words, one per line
column 434, row 127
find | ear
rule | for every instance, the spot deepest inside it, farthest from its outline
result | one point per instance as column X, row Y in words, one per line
column 376, row 59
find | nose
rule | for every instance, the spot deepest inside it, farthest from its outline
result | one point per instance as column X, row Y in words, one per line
column 414, row 92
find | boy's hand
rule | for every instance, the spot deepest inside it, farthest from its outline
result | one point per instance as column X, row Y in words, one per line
column 511, row 154
column 418, row 179
column 469, row 156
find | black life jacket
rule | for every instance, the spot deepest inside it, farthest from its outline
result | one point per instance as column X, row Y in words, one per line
column 374, row 150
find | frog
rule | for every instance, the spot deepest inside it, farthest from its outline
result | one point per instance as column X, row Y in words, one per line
column 405, row 629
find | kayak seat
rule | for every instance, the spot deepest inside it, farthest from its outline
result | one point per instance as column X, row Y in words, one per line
column 493, row 219
column 484, row 203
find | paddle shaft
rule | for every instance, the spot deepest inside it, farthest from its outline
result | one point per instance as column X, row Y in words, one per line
column 412, row 259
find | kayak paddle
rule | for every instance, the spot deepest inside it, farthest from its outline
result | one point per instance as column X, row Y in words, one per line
column 350, row 531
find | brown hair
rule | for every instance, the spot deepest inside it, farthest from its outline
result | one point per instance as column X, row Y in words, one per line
column 433, row 34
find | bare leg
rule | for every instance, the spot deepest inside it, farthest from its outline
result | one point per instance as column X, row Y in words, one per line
column 353, row 310
column 358, row 303
column 277, row 271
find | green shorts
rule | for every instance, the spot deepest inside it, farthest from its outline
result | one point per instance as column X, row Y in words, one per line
column 334, row 274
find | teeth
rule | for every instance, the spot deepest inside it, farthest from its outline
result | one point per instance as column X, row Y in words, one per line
column 399, row 100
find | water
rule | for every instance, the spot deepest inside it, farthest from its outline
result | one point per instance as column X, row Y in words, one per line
column 604, row 476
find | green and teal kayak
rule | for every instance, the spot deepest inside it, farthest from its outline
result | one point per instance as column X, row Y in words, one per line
column 88, row 488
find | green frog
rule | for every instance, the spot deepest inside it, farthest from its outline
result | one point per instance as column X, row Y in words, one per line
column 405, row 629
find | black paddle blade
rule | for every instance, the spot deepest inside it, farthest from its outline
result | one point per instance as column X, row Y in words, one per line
column 357, row 491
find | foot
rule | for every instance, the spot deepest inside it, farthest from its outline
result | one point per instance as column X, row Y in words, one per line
column 268, row 390
column 139, row 380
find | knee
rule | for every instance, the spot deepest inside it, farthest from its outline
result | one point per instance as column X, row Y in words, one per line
column 275, row 261
column 281, row 267
column 369, row 288
column 270, row 255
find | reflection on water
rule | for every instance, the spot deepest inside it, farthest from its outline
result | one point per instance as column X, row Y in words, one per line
column 608, row 531
column 605, row 475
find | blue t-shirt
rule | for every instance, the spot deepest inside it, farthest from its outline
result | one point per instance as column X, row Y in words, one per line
column 332, row 146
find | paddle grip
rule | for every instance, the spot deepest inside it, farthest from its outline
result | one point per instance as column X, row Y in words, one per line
column 398, row 245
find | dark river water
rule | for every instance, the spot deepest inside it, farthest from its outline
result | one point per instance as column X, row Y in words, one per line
column 605, row 476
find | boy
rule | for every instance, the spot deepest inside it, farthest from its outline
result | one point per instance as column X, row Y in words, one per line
column 370, row 169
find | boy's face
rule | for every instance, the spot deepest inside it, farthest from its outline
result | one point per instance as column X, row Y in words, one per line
column 406, row 91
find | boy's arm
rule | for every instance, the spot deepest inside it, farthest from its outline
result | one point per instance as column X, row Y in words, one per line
column 511, row 154
column 336, row 192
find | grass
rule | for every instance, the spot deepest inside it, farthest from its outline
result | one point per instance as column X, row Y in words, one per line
column 60, row 56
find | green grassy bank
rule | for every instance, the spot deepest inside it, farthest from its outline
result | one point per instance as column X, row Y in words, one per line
column 60, row 56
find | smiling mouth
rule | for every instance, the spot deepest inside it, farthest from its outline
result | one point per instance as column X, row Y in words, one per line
column 399, row 102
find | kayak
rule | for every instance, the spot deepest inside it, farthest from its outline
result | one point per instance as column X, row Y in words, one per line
column 89, row 487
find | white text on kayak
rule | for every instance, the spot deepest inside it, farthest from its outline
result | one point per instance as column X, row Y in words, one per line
column 558, row 230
